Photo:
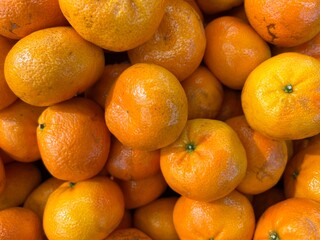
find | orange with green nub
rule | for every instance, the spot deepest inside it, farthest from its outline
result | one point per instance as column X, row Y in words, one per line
column 281, row 96
column 195, row 169
column 94, row 208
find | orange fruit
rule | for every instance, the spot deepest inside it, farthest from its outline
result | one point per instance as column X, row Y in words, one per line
column 179, row 42
column 100, row 89
column 131, row 164
column 140, row 192
column 207, row 161
column 293, row 218
column 260, row 202
column 284, row 104
column 6, row 95
column 73, row 139
column 230, row 217
column 231, row 104
column 284, row 23
column 18, row 125
column 156, row 219
column 128, row 234
column 147, row 107
column 69, row 66
column 311, row 48
column 301, row 176
column 210, row 7
column 267, row 158
column 21, row 180
column 204, row 93
column 37, row 199
column 19, row 223
column 196, row 7
column 89, row 209
column 2, row 176
column 114, row 25
column 233, row 50
column 20, row 18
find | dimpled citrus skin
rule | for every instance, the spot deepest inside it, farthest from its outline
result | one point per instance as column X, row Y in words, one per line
column 293, row 218
column 147, row 107
column 19, row 223
column 179, row 42
column 115, row 25
column 52, row 65
column 281, row 97
column 284, row 23
column 89, row 209
column 73, row 139
column 206, row 162
column 230, row 217
column 18, row 18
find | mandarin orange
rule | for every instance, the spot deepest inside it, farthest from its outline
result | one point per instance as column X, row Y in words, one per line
column 207, row 161
column 73, row 139
column 284, row 23
column 147, row 107
column 281, row 97
column 230, row 217
column 114, row 25
column 52, row 65
column 89, row 209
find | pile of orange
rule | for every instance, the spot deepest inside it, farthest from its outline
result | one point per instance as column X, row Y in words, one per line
column 159, row 119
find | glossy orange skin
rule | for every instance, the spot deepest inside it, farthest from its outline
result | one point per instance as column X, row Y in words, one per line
column 73, row 139
column 284, row 23
column 233, row 50
column 301, row 177
column 128, row 234
column 89, row 209
column 140, row 192
column 311, row 48
column 18, row 18
column 230, row 217
column 21, row 180
column 204, row 92
column 146, row 108
column 179, row 42
column 100, row 89
column 18, row 124
column 37, row 199
column 131, row 164
column 156, row 218
column 293, row 218
column 69, row 66
column 19, row 223
column 6, row 95
column 267, row 158
column 206, row 162
column 196, row 7
column 115, row 25
column 284, row 104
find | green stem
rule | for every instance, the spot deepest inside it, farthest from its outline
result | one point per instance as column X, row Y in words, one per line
column 288, row 88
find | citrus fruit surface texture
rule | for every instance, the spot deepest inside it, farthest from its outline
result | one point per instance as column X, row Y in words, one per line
column 159, row 119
